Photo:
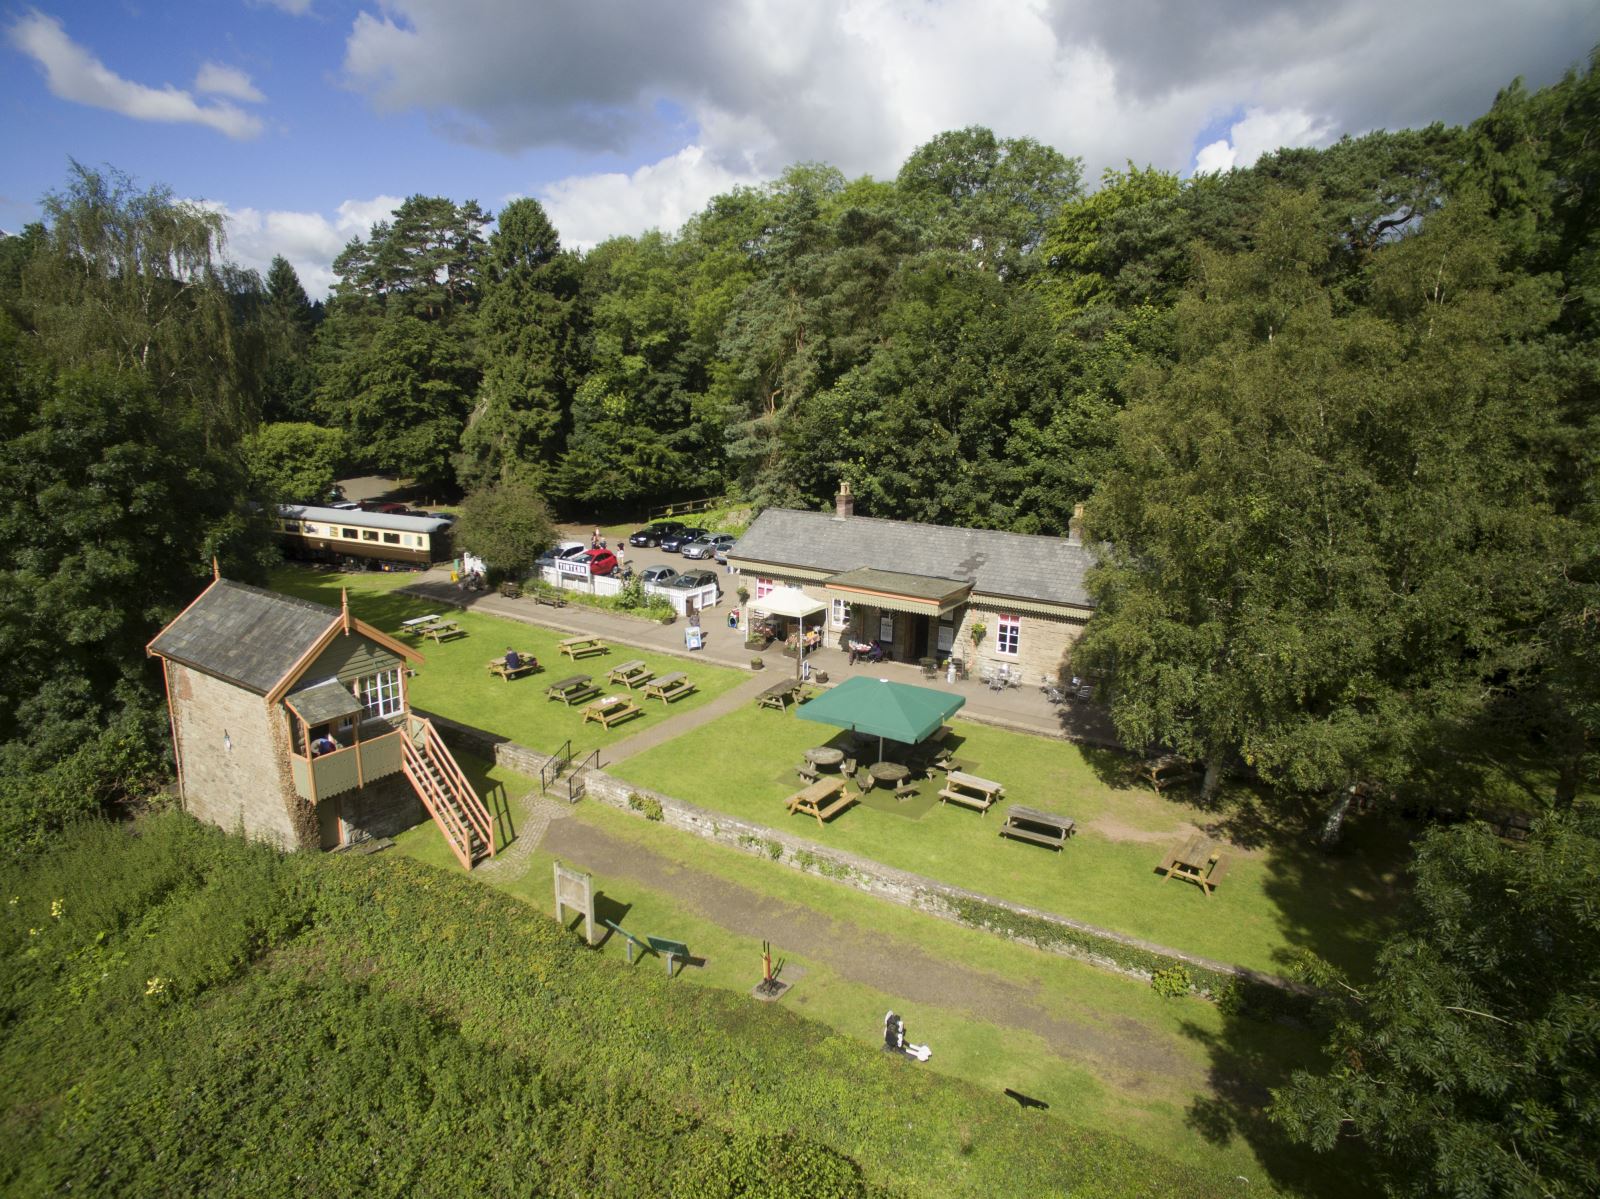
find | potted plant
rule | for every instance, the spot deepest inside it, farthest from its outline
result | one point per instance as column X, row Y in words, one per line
column 758, row 663
column 978, row 630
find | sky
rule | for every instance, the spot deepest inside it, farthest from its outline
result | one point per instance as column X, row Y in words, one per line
column 303, row 121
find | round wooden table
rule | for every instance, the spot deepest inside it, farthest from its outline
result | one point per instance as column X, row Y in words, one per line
column 825, row 755
column 889, row 773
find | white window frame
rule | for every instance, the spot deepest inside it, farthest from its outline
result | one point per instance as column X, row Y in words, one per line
column 1005, row 623
column 886, row 626
column 764, row 588
column 380, row 694
column 841, row 613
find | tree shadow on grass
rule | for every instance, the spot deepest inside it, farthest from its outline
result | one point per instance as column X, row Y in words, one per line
column 1248, row 1058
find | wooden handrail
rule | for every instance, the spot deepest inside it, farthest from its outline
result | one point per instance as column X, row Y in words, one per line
column 455, row 833
column 468, row 798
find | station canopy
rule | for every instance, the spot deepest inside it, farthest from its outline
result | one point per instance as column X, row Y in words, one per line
column 893, row 711
column 788, row 601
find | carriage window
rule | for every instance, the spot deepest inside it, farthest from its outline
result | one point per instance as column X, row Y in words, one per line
column 350, row 533
column 291, row 526
column 308, row 527
column 369, row 534
column 391, row 539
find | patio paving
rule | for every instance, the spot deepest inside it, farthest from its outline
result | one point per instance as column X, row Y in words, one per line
column 1022, row 708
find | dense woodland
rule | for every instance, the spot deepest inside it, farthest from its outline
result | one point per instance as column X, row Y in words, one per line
column 1334, row 418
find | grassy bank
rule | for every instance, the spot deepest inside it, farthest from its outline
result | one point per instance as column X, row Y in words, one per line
column 185, row 1012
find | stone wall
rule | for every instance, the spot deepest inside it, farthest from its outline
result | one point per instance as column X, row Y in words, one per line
column 382, row 808
column 875, row 878
column 232, row 772
column 1041, row 647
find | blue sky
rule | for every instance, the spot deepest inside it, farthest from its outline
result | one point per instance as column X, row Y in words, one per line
column 304, row 120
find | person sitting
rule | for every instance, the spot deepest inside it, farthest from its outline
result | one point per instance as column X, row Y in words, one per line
column 323, row 745
column 513, row 659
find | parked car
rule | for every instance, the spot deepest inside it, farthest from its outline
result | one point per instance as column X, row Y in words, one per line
column 659, row 575
column 601, row 562
column 346, row 506
column 651, row 535
column 673, row 543
column 723, row 550
column 690, row 579
column 561, row 549
column 707, row 547
column 444, row 516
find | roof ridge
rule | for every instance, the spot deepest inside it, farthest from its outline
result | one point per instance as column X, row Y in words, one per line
column 280, row 597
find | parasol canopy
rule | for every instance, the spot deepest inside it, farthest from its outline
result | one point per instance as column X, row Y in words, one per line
column 897, row 711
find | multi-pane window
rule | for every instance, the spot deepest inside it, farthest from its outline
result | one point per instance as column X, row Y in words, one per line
column 763, row 588
column 379, row 693
column 886, row 627
column 841, row 613
column 1008, row 637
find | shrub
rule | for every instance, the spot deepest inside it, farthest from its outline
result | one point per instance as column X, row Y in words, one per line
column 648, row 804
column 1172, row 983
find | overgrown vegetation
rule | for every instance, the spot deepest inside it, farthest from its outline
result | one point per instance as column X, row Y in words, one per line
column 238, row 1020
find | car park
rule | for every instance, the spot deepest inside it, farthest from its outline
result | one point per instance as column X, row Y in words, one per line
column 674, row 542
column 691, row 579
column 722, row 550
column 707, row 547
column 561, row 549
column 658, row 575
column 601, row 562
column 652, row 534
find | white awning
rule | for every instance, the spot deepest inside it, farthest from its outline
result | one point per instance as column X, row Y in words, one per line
column 788, row 601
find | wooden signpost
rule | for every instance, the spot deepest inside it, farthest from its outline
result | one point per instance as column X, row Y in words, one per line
column 575, row 891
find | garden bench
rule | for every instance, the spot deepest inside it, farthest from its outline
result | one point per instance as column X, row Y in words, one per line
column 970, row 790
column 1164, row 771
column 822, row 799
column 671, row 950
column 582, row 647
column 1196, row 861
column 1041, row 828
column 554, row 598
column 632, row 940
column 572, row 690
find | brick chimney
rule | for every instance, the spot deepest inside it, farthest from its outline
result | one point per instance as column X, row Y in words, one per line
column 844, row 504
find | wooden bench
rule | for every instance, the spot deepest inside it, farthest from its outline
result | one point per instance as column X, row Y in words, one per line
column 443, row 630
column 669, row 687
column 526, row 664
column 555, row 599
column 1041, row 828
column 630, row 674
column 418, row 625
column 573, row 690
column 614, row 709
column 582, row 647
column 971, row 791
column 1197, row 861
column 779, row 695
column 1163, row 772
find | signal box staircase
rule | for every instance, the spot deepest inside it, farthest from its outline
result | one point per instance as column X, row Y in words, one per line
column 445, row 792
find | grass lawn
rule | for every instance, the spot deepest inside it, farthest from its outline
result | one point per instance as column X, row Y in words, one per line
column 1281, row 894
column 1191, row 1111
column 453, row 680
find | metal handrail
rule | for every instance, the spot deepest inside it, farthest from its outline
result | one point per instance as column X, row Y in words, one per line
column 574, row 792
column 554, row 765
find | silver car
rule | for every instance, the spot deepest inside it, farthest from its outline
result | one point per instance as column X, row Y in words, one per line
column 708, row 547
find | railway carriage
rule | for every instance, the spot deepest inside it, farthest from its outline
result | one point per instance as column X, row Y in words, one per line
column 376, row 538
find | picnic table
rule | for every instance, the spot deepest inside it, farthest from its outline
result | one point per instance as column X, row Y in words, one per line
column 779, row 695
column 442, row 630
column 822, row 799
column 970, row 790
column 891, row 774
column 1041, row 828
column 613, row 709
column 668, row 687
column 572, row 690
column 579, row 647
column 526, row 664
column 631, row 674
column 1198, row 861
column 415, row 626
column 1162, row 772
column 546, row 595
column 825, row 756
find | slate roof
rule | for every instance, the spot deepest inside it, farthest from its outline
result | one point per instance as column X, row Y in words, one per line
column 1019, row 565
column 324, row 702
column 243, row 634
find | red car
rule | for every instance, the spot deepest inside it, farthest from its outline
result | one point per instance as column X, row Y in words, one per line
column 601, row 562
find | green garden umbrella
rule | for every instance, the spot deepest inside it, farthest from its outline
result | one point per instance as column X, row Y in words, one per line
column 882, row 709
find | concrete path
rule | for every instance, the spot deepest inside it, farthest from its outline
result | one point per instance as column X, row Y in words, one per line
column 682, row 722
column 1021, row 708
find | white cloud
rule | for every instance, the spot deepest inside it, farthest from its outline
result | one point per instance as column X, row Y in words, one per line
column 309, row 240
column 1260, row 132
column 215, row 79
column 587, row 209
column 74, row 74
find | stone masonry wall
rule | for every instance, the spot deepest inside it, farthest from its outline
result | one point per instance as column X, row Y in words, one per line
column 1042, row 644
column 875, row 878
column 232, row 773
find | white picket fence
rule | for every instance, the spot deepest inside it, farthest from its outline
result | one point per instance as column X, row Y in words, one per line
column 683, row 600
